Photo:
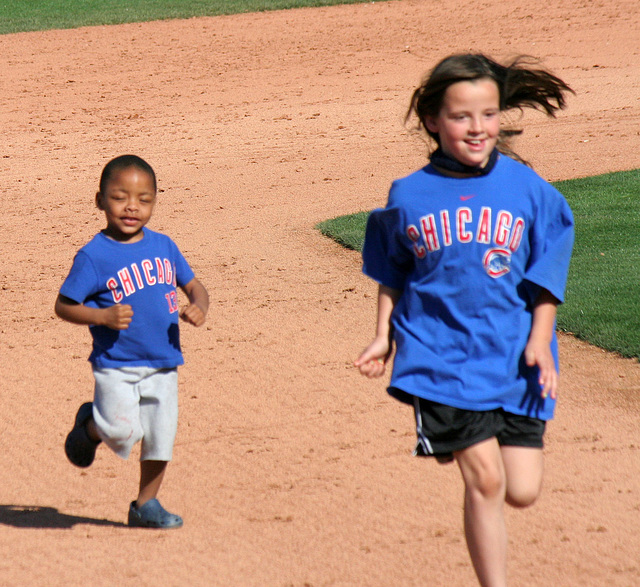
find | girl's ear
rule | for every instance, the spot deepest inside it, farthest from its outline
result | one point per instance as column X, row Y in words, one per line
column 431, row 124
column 99, row 201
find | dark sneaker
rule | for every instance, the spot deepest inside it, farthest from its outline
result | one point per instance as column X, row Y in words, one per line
column 152, row 515
column 80, row 449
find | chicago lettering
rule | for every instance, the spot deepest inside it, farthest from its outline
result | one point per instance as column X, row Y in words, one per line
column 435, row 231
column 136, row 276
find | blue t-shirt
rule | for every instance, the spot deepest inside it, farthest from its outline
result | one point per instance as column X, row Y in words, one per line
column 470, row 256
column 144, row 275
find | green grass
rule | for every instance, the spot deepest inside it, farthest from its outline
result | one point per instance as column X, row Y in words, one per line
column 346, row 230
column 603, row 290
column 36, row 15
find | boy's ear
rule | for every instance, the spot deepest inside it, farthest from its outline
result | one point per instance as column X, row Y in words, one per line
column 99, row 201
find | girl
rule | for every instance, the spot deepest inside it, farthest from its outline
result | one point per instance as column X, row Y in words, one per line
column 471, row 255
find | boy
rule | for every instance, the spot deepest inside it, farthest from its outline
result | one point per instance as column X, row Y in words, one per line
column 123, row 286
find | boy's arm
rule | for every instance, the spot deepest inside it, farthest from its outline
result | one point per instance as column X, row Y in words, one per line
column 196, row 312
column 117, row 317
column 373, row 359
column 538, row 349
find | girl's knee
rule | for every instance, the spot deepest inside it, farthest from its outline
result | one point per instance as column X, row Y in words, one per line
column 523, row 497
column 524, row 468
column 490, row 484
column 482, row 471
column 486, row 483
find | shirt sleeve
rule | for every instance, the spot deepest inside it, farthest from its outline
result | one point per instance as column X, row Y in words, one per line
column 184, row 273
column 82, row 281
column 386, row 258
column 551, row 244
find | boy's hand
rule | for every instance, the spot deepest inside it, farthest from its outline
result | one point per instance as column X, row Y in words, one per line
column 193, row 314
column 540, row 354
column 117, row 317
column 196, row 312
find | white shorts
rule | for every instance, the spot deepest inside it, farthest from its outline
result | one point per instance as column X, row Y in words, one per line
column 137, row 403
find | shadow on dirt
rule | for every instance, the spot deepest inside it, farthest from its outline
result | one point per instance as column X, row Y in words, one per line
column 30, row 516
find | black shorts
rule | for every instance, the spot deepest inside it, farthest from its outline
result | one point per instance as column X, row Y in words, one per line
column 443, row 430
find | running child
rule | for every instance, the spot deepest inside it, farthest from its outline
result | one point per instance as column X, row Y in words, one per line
column 471, row 255
column 123, row 286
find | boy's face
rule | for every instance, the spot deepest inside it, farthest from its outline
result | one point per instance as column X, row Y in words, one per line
column 127, row 202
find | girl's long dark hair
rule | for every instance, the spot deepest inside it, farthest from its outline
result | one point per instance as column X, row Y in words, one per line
column 521, row 83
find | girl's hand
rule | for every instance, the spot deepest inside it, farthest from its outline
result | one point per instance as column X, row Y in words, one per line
column 539, row 354
column 117, row 317
column 372, row 361
column 538, row 349
column 193, row 314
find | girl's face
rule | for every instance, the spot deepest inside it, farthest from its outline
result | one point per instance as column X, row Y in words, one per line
column 469, row 121
column 127, row 202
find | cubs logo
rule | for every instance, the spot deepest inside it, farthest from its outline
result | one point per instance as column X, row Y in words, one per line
column 497, row 262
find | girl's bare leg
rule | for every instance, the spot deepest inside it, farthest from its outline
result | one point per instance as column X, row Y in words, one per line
column 524, row 468
column 485, row 530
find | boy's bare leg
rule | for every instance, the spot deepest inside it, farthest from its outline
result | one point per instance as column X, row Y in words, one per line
column 151, row 476
column 92, row 431
column 151, row 472
column 485, row 530
column 146, row 511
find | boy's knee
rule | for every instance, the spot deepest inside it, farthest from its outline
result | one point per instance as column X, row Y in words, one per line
column 119, row 435
column 124, row 434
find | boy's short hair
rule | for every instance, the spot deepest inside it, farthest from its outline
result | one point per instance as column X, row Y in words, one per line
column 124, row 162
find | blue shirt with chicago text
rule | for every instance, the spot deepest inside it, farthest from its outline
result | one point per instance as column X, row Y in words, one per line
column 144, row 275
column 470, row 256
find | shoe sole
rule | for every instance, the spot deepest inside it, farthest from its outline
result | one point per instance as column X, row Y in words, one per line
column 78, row 447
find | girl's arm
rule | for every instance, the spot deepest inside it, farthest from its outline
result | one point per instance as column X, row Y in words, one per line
column 372, row 361
column 538, row 349
column 196, row 312
column 117, row 317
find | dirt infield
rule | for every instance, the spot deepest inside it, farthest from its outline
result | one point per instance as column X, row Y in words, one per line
column 290, row 469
